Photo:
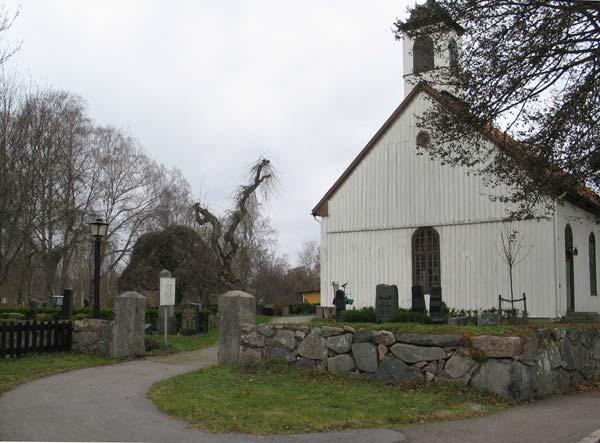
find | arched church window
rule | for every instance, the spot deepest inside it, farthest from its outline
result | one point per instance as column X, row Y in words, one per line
column 453, row 55
column 592, row 257
column 426, row 258
column 423, row 54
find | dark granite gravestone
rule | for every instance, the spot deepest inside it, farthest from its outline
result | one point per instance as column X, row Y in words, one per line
column 386, row 302
column 418, row 299
column 436, row 304
column 190, row 319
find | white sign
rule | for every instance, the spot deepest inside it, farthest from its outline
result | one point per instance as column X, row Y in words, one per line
column 167, row 291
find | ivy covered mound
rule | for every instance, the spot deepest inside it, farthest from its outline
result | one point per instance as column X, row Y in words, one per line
column 273, row 398
column 178, row 249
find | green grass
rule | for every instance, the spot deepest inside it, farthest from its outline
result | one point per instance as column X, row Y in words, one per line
column 182, row 343
column 278, row 399
column 14, row 371
column 260, row 319
column 469, row 330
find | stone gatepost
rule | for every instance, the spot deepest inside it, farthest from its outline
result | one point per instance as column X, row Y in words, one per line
column 235, row 308
column 128, row 329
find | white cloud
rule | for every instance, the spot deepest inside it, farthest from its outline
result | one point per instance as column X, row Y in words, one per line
column 208, row 86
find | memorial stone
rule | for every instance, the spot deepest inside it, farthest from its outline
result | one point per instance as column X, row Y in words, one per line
column 418, row 299
column 386, row 302
column 435, row 304
column 190, row 319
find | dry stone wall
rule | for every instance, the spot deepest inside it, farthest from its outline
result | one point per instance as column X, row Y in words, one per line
column 551, row 361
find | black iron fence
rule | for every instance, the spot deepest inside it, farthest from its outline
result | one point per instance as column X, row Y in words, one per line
column 17, row 338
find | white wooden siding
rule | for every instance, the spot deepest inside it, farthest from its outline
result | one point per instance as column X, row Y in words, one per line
column 582, row 224
column 394, row 187
column 472, row 270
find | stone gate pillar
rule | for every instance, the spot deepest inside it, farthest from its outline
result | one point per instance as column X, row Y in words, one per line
column 128, row 329
column 235, row 308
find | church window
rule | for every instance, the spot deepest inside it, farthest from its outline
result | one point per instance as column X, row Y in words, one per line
column 423, row 54
column 426, row 259
column 453, row 55
column 592, row 257
column 423, row 139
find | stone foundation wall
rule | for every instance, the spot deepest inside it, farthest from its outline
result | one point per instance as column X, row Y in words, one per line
column 551, row 361
column 92, row 336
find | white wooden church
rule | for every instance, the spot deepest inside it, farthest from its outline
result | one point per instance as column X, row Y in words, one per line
column 397, row 217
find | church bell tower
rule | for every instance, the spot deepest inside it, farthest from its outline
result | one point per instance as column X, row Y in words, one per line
column 431, row 43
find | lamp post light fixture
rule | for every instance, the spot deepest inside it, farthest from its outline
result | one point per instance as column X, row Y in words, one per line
column 98, row 229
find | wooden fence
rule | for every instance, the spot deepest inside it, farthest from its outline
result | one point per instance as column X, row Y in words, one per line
column 17, row 338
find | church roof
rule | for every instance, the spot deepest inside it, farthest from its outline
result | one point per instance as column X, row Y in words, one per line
column 579, row 195
column 427, row 14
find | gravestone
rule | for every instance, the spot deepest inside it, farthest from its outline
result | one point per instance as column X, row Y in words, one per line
column 435, row 304
column 386, row 302
column 418, row 299
column 128, row 328
column 487, row 318
column 67, row 306
column 190, row 319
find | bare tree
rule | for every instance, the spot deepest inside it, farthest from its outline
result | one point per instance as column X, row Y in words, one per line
column 512, row 252
column 224, row 238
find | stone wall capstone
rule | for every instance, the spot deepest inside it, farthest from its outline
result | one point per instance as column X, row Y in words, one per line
column 550, row 361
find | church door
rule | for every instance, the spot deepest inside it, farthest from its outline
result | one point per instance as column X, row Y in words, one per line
column 426, row 259
column 570, row 271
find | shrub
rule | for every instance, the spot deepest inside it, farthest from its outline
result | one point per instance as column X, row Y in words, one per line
column 303, row 308
column 364, row 315
column 406, row 316
column 12, row 316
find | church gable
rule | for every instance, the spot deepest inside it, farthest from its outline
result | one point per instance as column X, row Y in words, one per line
column 393, row 182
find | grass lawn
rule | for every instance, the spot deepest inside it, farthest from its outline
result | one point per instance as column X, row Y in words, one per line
column 182, row 343
column 278, row 399
column 469, row 331
column 14, row 371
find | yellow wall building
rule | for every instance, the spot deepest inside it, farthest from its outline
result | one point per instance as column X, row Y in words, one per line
column 312, row 297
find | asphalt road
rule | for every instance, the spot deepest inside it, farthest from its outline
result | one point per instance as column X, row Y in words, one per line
column 109, row 403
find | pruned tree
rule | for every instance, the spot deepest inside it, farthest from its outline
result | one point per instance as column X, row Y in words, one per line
column 182, row 251
column 512, row 252
column 223, row 235
column 530, row 69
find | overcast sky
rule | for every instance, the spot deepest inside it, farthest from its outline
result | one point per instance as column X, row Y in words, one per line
column 209, row 86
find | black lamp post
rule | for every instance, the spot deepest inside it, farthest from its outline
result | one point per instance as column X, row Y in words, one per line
column 98, row 229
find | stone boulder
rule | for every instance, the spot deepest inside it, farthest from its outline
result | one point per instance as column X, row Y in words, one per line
column 364, row 335
column 285, row 338
column 341, row 363
column 498, row 347
column 414, row 354
column 508, row 378
column 385, row 338
column 459, row 365
column 434, row 340
column 266, row 330
column 340, row 343
column 392, row 369
column 313, row 346
column 329, row 331
column 365, row 356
